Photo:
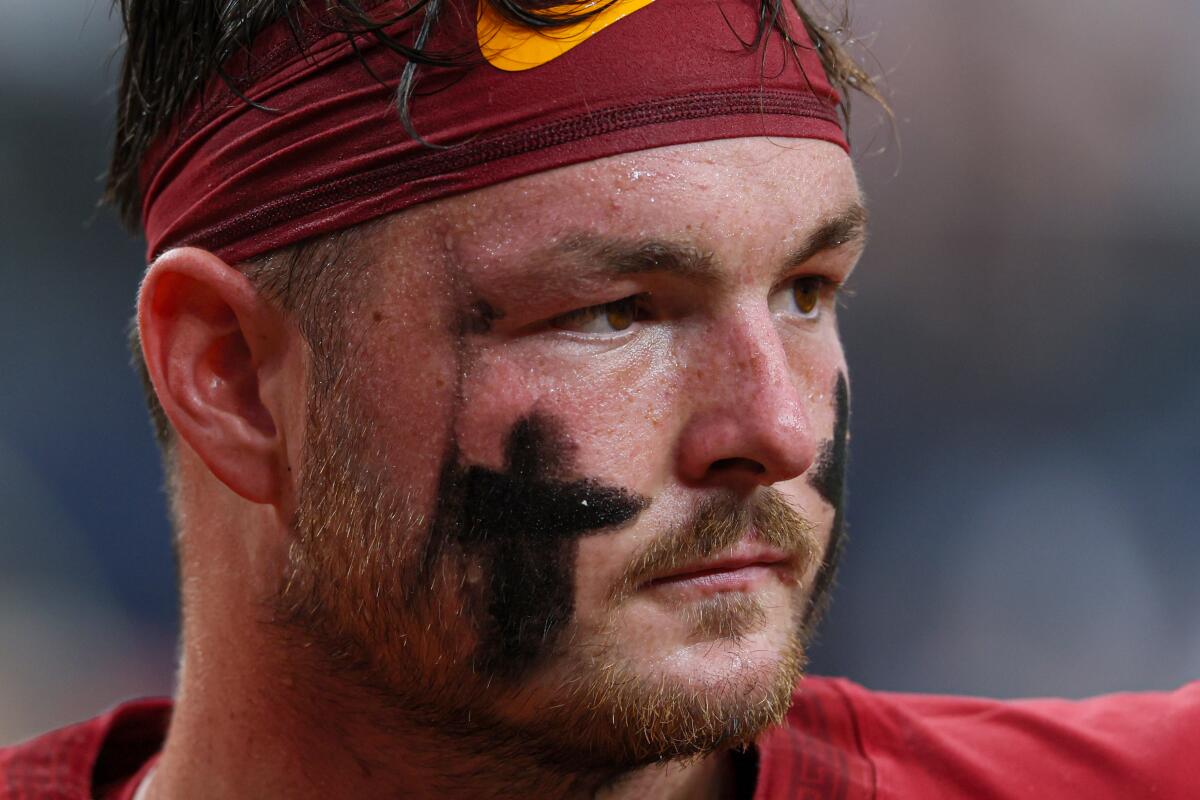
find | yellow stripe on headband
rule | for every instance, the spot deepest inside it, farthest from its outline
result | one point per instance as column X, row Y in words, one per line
column 514, row 48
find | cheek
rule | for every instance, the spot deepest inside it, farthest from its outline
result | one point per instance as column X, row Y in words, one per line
column 411, row 412
column 815, row 358
column 404, row 387
column 613, row 406
column 820, row 514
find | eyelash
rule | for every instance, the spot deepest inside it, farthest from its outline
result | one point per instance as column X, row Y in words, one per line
column 817, row 289
column 631, row 309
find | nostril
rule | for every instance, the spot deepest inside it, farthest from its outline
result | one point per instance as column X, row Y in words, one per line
column 746, row 464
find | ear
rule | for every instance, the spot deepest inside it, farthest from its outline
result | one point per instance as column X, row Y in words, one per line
column 210, row 343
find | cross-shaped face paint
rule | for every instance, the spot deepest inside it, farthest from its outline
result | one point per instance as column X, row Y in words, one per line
column 599, row 451
column 521, row 525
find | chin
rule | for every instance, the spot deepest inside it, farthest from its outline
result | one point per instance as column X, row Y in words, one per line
column 714, row 639
column 717, row 676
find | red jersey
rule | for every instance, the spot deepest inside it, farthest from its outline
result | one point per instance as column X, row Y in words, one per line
column 102, row 759
column 840, row 741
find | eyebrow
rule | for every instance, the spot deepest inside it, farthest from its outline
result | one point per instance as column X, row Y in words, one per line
column 599, row 256
column 628, row 257
column 621, row 256
column 847, row 227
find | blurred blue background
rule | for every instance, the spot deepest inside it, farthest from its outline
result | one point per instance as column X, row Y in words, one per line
column 1023, row 342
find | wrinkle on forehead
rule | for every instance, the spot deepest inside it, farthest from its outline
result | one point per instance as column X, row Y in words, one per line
column 643, row 193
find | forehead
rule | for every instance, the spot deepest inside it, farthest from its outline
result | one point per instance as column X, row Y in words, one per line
column 733, row 197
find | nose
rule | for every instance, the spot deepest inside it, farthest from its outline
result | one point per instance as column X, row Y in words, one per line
column 749, row 425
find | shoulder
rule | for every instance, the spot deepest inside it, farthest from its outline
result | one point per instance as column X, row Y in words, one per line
column 1115, row 746
column 817, row 752
column 90, row 759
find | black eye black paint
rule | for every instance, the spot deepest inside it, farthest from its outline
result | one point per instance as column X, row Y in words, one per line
column 828, row 477
column 524, row 524
column 480, row 318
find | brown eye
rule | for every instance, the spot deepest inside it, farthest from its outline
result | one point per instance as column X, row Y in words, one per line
column 615, row 317
column 806, row 293
column 619, row 315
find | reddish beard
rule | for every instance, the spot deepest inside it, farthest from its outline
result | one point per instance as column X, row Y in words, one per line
column 392, row 612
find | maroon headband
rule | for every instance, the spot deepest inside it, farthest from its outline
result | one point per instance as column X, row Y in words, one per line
column 331, row 152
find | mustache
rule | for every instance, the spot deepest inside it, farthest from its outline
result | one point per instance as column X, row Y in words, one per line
column 718, row 523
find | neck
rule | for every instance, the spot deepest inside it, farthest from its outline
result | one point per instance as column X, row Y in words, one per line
column 246, row 725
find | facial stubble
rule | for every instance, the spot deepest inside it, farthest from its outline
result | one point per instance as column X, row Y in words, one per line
column 383, row 592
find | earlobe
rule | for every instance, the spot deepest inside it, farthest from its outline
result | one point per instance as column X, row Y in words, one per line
column 209, row 342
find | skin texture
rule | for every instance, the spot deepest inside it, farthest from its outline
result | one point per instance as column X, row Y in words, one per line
column 828, row 477
column 363, row 518
column 523, row 523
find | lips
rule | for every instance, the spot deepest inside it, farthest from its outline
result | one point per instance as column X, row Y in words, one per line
column 739, row 569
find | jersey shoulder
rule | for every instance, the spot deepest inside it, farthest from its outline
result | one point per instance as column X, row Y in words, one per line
column 1126, row 746
column 817, row 752
column 93, row 759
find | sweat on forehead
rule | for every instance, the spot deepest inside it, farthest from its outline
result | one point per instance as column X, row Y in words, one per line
column 323, row 148
column 697, row 212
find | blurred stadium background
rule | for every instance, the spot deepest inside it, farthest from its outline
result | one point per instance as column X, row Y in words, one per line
column 1023, row 338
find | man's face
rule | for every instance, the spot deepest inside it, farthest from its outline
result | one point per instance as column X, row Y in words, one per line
column 572, row 467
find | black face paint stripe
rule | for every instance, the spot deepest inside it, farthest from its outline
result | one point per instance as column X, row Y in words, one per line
column 828, row 477
column 523, row 523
